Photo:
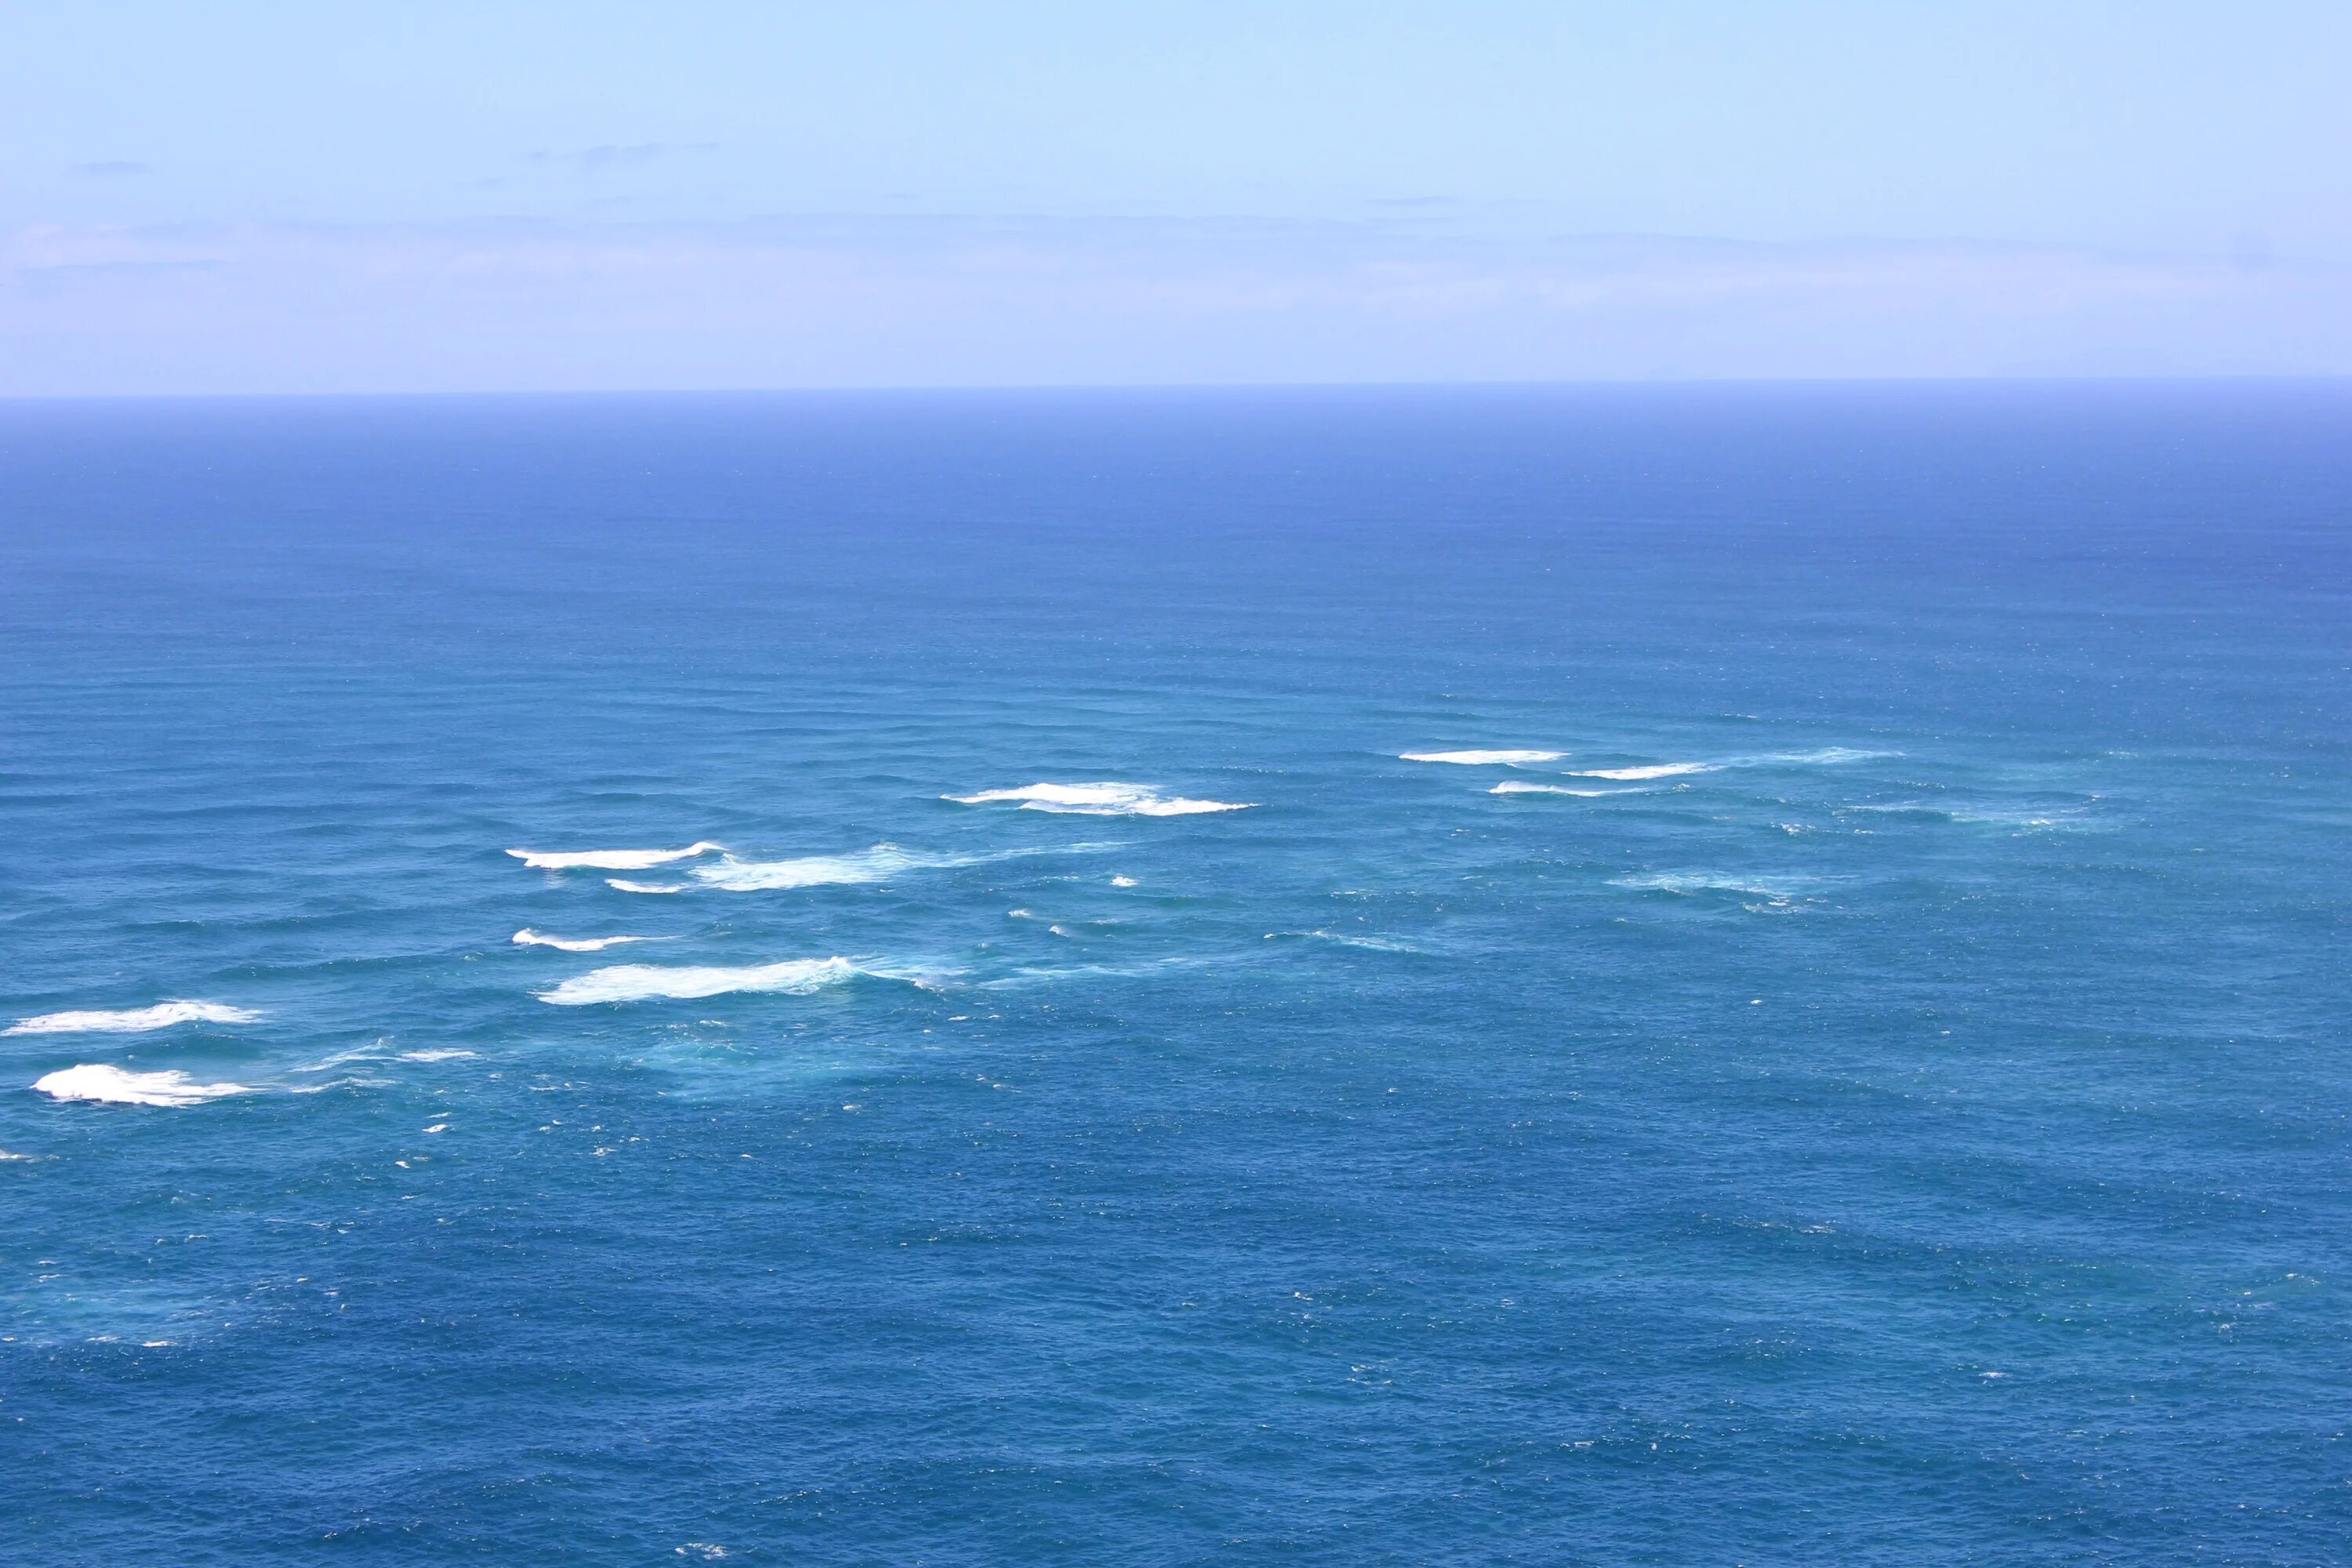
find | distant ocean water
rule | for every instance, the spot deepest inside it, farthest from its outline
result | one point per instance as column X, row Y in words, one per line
column 1711, row 975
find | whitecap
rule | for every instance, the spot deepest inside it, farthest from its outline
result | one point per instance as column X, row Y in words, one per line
column 1100, row 800
column 100, row 1083
column 132, row 1021
column 529, row 938
column 1122, row 881
column 434, row 1056
column 1482, row 759
column 625, row 885
column 1652, row 771
column 8, row 1155
column 1714, row 882
column 874, row 864
column 647, row 981
column 610, row 859
column 1829, row 754
column 1517, row 787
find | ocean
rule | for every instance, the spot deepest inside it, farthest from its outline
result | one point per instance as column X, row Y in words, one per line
column 1742, row 974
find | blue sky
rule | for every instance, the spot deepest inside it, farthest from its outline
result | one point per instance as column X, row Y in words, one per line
column 284, row 197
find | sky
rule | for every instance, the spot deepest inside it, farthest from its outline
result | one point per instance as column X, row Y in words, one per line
column 244, row 197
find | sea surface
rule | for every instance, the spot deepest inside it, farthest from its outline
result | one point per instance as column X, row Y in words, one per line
column 1707, row 975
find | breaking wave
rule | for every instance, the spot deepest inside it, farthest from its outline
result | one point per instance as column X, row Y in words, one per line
column 648, row 982
column 1100, row 800
column 625, row 885
column 610, row 859
column 132, row 1021
column 1518, row 786
column 874, row 864
column 1482, row 759
column 1652, row 771
column 101, row 1084
column 529, row 938
column 1784, row 890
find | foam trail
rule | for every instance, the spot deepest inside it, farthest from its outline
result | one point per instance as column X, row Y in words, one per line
column 132, row 1021
column 647, row 981
column 1826, row 755
column 625, row 885
column 1654, row 771
column 874, row 864
column 1517, row 787
column 1100, row 800
column 1713, row 882
column 101, row 1084
column 529, row 938
column 1482, row 759
column 610, row 859
column 434, row 1056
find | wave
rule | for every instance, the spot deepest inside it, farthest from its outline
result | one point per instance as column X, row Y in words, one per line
column 1482, row 759
column 610, row 859
column 99, row 1083
column 529, row 938
column 1831, row 754
column 436, row 1056
column 1349, row 939
column 1122, row 881
column 1786, row 890
column 1517, row 787
column 625, row 885
column 132, row 1021
column 1100, row 800
column 2023, row 819
column 8, row 1155
column 874, row 864
column 1652, row 771
column 647, row 981
column 1825, row 755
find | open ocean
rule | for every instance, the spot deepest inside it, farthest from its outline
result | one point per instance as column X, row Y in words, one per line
column 1711, row 975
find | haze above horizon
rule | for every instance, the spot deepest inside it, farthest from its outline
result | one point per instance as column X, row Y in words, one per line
column 520, row 197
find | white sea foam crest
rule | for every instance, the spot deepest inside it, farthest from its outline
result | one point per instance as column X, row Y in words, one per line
column 610, row 859
column 647, row 981
column 133, row 1020
column 625, row 885
column 1518, row 786
column 1100, row 800
column 529, row 938
column 1710, row 881
column 1826, row 755
column 1652, row 771
column 874, row 864
column 1482, row 759
column 100, row 1083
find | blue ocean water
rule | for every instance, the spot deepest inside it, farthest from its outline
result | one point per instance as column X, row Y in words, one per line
column 1865, row 1082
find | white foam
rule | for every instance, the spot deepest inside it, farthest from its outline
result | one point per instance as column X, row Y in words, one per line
column 529, row 938
column 1518, row 786
column 132, row 1021
column 1122, row 881
column 874, row 864
column 1714, row 882
column 97, row 1082
column 437, row 1056
column 625, row 885
column 8, row 1155
column 1100, row 800
column 1483, row 759
column 1654, row 771
column 610, row 859
column 646, row 982
column 1830, row 755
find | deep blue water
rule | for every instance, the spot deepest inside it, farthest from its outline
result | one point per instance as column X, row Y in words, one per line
column 1915, row 1134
